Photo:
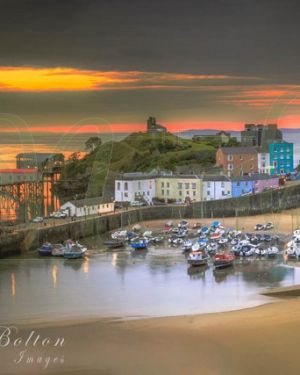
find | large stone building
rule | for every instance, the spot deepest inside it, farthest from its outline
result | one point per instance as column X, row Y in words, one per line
column 260, row 135
column 237, row 161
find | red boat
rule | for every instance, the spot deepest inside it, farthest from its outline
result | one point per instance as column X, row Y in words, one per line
column 223, row 260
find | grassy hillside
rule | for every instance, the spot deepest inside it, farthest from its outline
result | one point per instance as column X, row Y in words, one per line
column 95, row 173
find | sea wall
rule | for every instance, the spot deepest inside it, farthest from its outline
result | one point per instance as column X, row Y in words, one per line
column 270, row 201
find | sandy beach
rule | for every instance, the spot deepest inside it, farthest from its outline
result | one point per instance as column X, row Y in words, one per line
column 284, row 222
column 261, row 340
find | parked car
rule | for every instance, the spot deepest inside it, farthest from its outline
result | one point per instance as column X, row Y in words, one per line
column 259, row 227
column 138, row 204
column 268, row 226
column 38, row 219
column 59, row 215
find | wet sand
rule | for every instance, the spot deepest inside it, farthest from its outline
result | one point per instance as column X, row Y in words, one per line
column 284, row 222
column 257, row 341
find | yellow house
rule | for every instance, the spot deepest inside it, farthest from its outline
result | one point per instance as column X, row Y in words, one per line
column 179, row 187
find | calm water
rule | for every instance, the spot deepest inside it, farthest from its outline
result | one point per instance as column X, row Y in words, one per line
column 120, row 284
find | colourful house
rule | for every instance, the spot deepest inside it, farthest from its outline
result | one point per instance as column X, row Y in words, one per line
column 281, row 157
column 263, row 182
column 243, row 185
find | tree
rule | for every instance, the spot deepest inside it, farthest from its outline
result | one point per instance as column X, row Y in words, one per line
column 74, row 156
column 92, row 143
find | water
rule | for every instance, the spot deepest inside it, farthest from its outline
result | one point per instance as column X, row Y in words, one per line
column 120, row 284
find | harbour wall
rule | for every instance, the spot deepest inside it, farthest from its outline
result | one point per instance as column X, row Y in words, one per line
column 269, row 201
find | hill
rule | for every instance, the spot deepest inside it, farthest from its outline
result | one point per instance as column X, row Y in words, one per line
column 94, row 174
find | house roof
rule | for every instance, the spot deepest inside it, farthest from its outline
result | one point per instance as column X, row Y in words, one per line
column 89, row 201
column 216, row 178
column 239, row 150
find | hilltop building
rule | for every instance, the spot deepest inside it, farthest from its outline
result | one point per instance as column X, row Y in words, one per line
column 221, row 137
column 260, row 135
column 237, row 161
column 153, row 127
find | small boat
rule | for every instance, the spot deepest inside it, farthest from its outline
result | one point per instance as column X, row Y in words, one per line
column 223, row 241
column 46, row 249
column 203, row 230
column 223, row 260
column 74, row 250
column 197, row 258
column 58, row 250
column 212, row 247
column 147, row 234
column 187, row 245
column 216, row 236
column 260, row 251
column 114, row 243
column 121, row 234
column 196, row 246
column 139, row 245
column 215, row 224
column 272, row 251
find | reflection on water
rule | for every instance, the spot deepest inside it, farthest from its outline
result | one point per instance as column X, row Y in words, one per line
column 146, row 283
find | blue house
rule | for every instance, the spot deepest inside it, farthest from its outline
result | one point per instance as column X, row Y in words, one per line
column 281, row 157
column 242, row 186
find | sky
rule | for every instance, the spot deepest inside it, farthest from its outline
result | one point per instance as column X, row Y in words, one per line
column 104, row 66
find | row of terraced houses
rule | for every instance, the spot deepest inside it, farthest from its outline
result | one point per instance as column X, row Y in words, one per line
column 251, row 168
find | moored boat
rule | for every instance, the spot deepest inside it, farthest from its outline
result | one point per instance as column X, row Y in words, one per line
column 197, row 258
column 223, row 260
column 58, row 250
column 74, row 250
column 46, row 249
column 139, row 245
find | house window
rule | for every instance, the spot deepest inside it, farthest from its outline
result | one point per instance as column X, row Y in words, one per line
column 193, row 185
column 187, row 192
column 230, row 167
column 223, row 192
column 139, row 185
column 208, row 192
column 208, row 184
column 187, row 185
column 241, row 157
column 238, row 183
column 119, row 186
column 126, row 195
column 230, row 157
column 222, row 184
column 194, row 193
column 126, row 186
column 168, row 184
column 163, row 192
column 179, row 185
column 180, row 193
column 168, row 192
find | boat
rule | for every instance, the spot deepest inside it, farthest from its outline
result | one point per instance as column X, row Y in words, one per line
column 197, row 258
column 272, row 251
column 260, row 251
column 216, row 236
column 223, row 260
column 196, row 246
column 187, row 245
column 46, row 249
column 121, row 234
column 212, row 247
column 147, row 234
column 58, row 250
column 139, row 245
column 114, row 243
column 74, row 250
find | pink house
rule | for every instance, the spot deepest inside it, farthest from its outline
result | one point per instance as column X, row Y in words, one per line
column 262, row 182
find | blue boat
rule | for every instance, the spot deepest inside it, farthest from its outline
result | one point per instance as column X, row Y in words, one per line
column 46, row 249
column 139, row 245
column 215, row 224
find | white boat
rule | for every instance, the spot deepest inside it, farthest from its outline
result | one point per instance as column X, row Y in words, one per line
column 148, row 233
column 120, row 234
column 197, row 258
column 272, row 251
column 196, row 246
column 187, row 245
column 74, row 250
column 58, row 250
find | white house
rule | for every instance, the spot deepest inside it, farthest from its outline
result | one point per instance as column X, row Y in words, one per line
column 216, row 187
column 88, row 206
column 263, row 160
column 131, row 187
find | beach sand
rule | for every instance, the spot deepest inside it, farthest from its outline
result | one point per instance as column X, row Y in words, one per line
column 257, row 341
column 284, row 222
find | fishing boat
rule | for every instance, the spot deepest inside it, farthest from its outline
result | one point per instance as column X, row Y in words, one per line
column 223, row 260
column 114, row 243
column 46, row 249
column 139, row 245
column 187, row 245
column 74, row 250
column 58, row 250
column 197, row 258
